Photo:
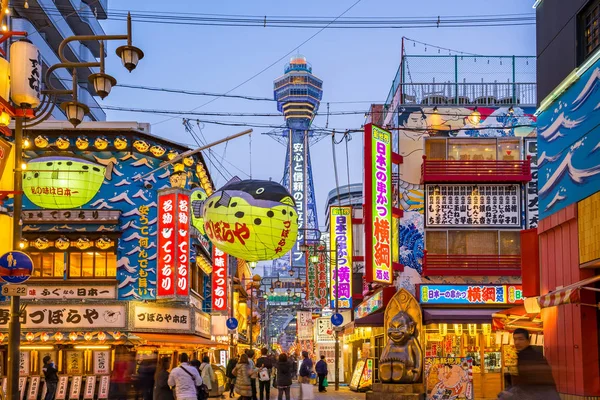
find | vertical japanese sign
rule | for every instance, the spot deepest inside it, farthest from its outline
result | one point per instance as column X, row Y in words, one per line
column 531, row 188
column 298, row 190
column 316, row 282
column 183, row 244
column 173, row 244
column 219, row 280
column 378, row 205
column 305, row 325
column 143, row 242
column 341, row 263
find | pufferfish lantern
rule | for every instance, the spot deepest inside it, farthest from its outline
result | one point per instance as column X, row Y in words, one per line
column 252, row 220
column 197, row 199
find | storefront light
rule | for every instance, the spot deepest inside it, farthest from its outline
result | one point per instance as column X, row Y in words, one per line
column 92, row 347
column 443, row 329
column 532, row 305
column 73, row 336
column 36, row 347
column 30, row 336
column 45, row 337
column 472, row 329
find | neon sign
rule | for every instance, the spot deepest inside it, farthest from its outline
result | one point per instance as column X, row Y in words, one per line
column 471, row 294
column 219, row 280
column 341, row 265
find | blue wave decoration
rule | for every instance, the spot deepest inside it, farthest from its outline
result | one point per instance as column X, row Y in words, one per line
column 411, row 244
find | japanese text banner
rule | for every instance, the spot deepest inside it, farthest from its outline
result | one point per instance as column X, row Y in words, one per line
column 219, row 280
column 165, row 272
column 341, row 260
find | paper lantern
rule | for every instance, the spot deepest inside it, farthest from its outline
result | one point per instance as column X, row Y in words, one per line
column 45, row 337
column 73, row 336
column 83, row 243
column 63, row 143
column 172, row 154
column 101, row 336
column 59, row 336
column 88, row 336
column 29, row 336
column 62, row 182
column 104, row 243
column 197, row 198
column 4, row 79
column 157, row 151
column 252, row 220
column 120, row 143
column 26, row 74
column 82, row 143
column 101, row 143
column 41, row 243
column 41, row 141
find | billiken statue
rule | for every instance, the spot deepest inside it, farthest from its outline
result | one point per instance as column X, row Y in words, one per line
column 401, row 359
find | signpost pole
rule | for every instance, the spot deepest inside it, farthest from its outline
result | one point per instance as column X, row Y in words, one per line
column 337, row 310
column 14, row 326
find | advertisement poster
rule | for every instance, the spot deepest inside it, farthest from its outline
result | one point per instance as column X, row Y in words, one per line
column 449, row 378
column 74, row 361
column 101, row 362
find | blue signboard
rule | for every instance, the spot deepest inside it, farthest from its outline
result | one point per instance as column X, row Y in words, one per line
column 231, row 323
column 569, row 145
column 15, row 267
column 337, row 319
column 470, row 294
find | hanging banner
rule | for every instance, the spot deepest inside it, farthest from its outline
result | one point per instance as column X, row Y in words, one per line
column 34, row 388
column 473, row 206
column 103, row 387
column 74, row 361
column 61, row 391
column 378, row 204
column 531, row 188
column 101, row 362
column 24, row 361
column 305, row 325
column 298, row 143
column 90, row 386
column 449, row 378
column 470, row 294
column 173, row 244
column 317, row 282
column 75, row 387
column 219, row 280
column 341, row 245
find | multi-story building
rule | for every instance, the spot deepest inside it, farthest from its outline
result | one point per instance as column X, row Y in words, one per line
column 96, row 206
column 48, row 23
column 465, row 130
column 568, row 50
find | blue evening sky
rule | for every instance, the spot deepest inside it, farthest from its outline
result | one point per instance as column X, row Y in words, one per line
column 355, row 65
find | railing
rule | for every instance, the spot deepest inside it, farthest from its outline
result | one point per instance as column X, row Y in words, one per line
column 484, row 94
column 471, row 265
column 433, row 171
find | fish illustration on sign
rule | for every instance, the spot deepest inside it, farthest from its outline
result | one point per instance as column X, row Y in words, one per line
column 252, row 219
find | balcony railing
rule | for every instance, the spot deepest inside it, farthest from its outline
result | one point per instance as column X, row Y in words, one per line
column 483, row 94
column 433, row 171
column 471, row 265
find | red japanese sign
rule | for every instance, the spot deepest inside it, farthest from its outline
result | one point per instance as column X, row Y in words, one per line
column 165, row 273
column 219, row 280
column 173, row 245
column 183, row 244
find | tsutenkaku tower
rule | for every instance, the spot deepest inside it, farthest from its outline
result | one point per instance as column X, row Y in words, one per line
column 298, row 94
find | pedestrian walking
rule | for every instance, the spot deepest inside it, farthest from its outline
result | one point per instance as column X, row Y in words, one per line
column 285, row 372
column 265, row 368
column 250, row 354
column 207, row 373
column 305, row 371
column 321, row 369
column 50, row 377
column 186, row 379
column 145, row 381
column 120, row 379
column 162, row 390
column 242, row 372
column 229, row 374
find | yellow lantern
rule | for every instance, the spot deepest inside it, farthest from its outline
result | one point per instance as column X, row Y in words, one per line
column 4, row 79
column 157, row 151
column 59, row 336
column 101, row 143
column 63, row 143
column 197, row 198
column 120, row 143
column 103, row 243
column 82, row 143
column 141, row 146
column 443, row 329
column 475, row 117
column 472, row 329
column 101, row 336
column 83, row 243
column 252, row 220
column 62, row 243
column 4, row 118
column 41, row 243
column 73, row 336
column 26, row 74
column 458, row 329
column 62, row 182
column 41, row 141
column 88, row 336
column 29, row 336
column 45, row 337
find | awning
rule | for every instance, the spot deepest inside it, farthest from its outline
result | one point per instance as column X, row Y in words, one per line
column 373, row 320
column 516, row 317
column 173, row 338
column 568, row 294
column 458, row 316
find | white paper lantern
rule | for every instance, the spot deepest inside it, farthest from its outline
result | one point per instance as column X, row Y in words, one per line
column 26, row 74
column 4, row 79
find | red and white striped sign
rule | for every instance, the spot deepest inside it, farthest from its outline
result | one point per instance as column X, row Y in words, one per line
column 559, row 297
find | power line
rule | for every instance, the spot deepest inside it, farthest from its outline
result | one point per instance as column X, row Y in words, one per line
column 273, row 63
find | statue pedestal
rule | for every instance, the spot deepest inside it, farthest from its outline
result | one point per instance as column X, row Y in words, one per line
column 396, row 391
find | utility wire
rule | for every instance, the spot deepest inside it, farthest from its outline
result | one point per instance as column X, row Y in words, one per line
column 270, row 65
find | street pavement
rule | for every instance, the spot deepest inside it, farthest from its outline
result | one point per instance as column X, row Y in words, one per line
column 343, row 394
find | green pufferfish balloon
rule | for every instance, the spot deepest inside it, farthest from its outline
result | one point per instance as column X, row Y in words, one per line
column 197, row 198
column 251, row 219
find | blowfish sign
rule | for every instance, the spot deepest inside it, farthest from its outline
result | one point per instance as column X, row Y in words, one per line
column 219, row 280
column 173, row 244
column 341, row 266
column 378, row 204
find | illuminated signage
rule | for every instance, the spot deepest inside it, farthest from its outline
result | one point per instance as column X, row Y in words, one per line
column 341, row 245
column 219, row 280
column 317, row 281
column 473, row 205
column 173, row 244
column 369, row 306
column 470, row 294
column 378, row 205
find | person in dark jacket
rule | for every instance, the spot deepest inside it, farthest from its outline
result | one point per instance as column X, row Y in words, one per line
column 305, row 370
column 229, row 374
column 534, row 377
column 264, row 362
column 51, row 377
column 285, row 371
column 321, row 369
column 162, row 391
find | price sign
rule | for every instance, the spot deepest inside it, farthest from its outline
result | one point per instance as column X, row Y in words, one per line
column 14, row 290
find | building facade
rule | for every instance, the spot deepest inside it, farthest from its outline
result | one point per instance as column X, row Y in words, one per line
column 48, row 23
column 96, row 210
column 569, row 191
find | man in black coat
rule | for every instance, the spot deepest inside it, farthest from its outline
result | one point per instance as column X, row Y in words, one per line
column 534, row 374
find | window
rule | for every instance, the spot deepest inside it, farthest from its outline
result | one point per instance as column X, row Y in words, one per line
column 435, row 149
column 78, row 265
column 475, row 242
column 590, row 34
column 473, row 149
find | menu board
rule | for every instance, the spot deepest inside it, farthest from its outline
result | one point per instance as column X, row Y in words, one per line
column 449, row 378
column 362, row 378
column 360, row 365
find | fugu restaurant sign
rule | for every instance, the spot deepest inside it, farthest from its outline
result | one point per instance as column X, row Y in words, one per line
column 173, row 244
column 219, row 280
column 378, row 204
